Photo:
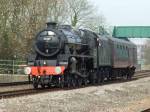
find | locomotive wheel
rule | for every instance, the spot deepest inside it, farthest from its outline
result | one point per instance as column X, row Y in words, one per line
column 35, row 82
column 114, row 75
column 49, row 85
column 99, row 77
column 98, row 80
column 61, row 83
column 93, row 78
column 85, row 82
column 43, row 85
column 68, row 81
column 35, row 85
column 131, row 73
column 93, row 82
column 125, row 77
column 73, row 82
column 108, row 74
column 102, row 76
column 129, row 76
column 79, row 82
column 68, row 84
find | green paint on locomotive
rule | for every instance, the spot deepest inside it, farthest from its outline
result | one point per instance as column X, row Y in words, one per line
column 122, row 51
column 104, row 53
column 114, row 50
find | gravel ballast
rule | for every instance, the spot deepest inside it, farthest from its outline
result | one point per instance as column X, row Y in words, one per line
column 133, row 96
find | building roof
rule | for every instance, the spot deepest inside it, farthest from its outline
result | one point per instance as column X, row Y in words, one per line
column 131, row 32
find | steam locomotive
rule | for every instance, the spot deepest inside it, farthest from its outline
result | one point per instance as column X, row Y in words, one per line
column 63, row 56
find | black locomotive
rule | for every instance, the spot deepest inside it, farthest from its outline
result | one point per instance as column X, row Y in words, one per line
column 63, row 56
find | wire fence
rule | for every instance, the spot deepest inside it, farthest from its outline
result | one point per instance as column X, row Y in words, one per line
column 12, row 67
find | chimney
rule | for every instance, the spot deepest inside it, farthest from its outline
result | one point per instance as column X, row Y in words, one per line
column 51, row 25
column 66, row 27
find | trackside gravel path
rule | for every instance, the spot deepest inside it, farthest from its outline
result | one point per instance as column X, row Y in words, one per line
column 131, row 96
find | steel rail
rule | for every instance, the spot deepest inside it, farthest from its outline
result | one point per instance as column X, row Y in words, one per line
column 23, row 92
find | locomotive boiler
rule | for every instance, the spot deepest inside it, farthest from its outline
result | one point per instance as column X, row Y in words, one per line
column 63, row 56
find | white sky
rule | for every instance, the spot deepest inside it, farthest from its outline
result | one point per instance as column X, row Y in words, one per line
column 125, row 12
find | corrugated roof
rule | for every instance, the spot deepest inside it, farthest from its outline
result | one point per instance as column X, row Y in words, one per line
column 132, row 31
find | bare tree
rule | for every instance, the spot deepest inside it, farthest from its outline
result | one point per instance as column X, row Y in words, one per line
column 96, row 23
column 20, row 20
column 79, row 11
column 84, row 15
column 58, row 11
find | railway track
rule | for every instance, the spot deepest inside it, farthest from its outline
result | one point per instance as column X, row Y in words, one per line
column 27, row 82
column 14, row 84
column 142, row 71
column 142, row 74
column 10, row 94
column 29, row 91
